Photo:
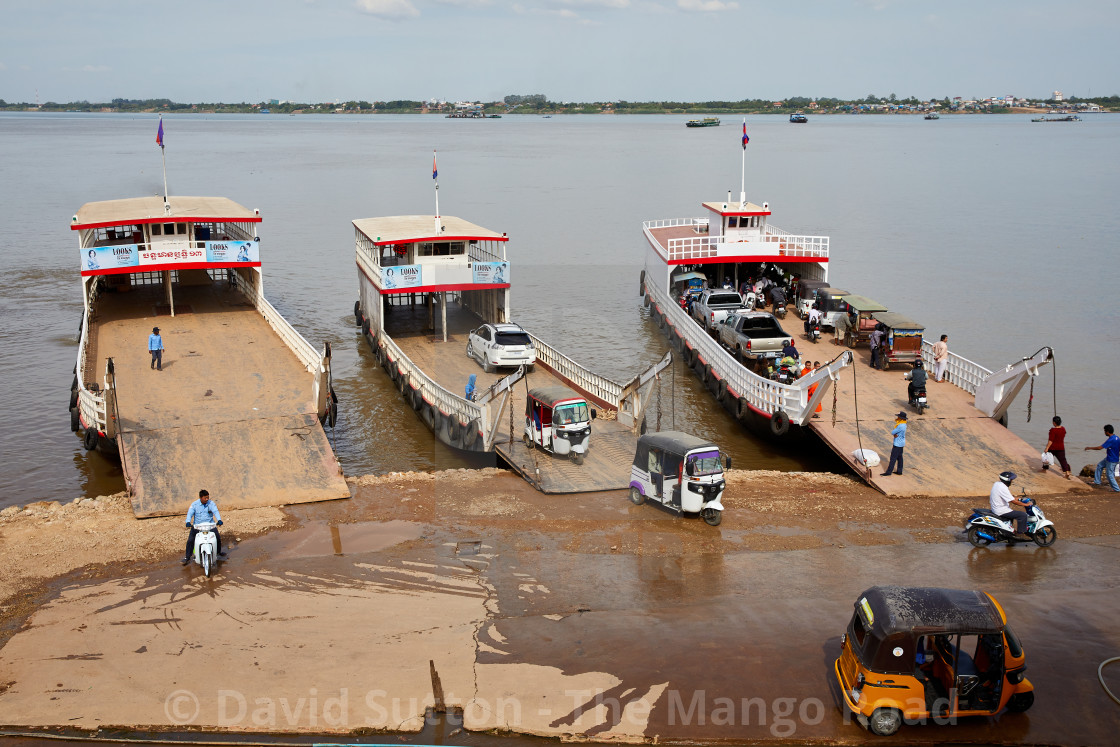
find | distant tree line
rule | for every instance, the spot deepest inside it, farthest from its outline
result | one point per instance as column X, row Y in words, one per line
column 534, row 104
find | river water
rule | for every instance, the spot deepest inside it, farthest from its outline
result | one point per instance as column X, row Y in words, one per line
column 992, row 229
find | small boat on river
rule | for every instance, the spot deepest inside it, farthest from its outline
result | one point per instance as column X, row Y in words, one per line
column 705, row 122
column 932, row 115
column 798, row 118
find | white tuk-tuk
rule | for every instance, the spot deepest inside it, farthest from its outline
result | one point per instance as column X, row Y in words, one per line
column 559, row 421
column 681, row 472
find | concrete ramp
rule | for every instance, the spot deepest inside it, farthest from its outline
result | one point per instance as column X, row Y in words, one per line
column 244, row 464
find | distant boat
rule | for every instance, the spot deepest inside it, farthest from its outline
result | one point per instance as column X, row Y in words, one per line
column 705, row 122
column 798, row 118
column 265, row 111
column 1067, row 118
column 933, row 115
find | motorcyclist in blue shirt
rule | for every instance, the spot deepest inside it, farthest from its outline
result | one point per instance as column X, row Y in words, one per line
column 203, row 509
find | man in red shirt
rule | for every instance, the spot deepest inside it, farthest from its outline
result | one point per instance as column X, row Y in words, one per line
column 1056, row 445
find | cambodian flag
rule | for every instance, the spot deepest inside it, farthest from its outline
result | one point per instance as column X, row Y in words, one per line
column 435, row 171
column 159, row 133
column 745, row 138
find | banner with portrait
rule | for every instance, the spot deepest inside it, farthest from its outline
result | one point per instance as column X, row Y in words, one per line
column 490, row 273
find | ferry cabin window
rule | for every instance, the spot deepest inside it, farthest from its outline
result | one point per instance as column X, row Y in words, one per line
column 732, row 222
column 442, row 248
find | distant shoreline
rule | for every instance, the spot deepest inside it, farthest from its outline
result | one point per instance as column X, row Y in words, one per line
column 690, row 113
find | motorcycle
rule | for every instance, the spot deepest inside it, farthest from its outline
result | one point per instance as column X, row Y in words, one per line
column 984, row 527
column 785, row 374
column 919, row 401
column 814, row 331
column 205, row 551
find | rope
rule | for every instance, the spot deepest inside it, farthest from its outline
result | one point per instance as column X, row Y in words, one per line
column 1030, row 401
column 855, row 403
column 658, row 402
column 1100, row 676
column 1054, row 394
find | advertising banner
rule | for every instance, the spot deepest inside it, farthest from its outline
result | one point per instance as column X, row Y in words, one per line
column 401, row 276
column 491, row 273
column 232, row 251
column 110, row 257
column 176, row 254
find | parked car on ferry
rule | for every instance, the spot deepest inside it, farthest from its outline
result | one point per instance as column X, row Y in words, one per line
column 501, row 345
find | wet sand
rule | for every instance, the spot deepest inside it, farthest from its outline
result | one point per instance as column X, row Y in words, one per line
column 581, row 617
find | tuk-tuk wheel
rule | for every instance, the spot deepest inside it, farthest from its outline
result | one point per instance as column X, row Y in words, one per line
column 849, row 339
column 1020, row 702
column 636, row 497
column 712, row 517
column 884, row 364
column 528, row 441
column 885, row 722
column 577, row 458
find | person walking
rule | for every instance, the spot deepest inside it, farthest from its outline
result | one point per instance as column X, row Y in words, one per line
column 1056, row 445
column 155, row 347
column 899, row 434
column 1111, row 459
column 940, row 357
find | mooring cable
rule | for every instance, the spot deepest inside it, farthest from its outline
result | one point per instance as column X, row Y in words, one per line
column 1100, row 677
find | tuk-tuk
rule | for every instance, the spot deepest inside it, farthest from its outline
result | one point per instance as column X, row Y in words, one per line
column 861, row 314
column 903, row 340
column 681, row 472
column 687, row 281
column 807, row 294
column 911, row 654
column 833, row 303
column 557, row 420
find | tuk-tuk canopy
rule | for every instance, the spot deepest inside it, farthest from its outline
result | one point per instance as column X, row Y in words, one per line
column 807, row 288
column 674, row 442
column 551, row 396
column 897, row 321
column 863, row 304
column 902, row 609
column 889, row 620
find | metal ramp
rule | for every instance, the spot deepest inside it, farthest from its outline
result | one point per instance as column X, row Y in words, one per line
column 244, row 464
column 606, row 467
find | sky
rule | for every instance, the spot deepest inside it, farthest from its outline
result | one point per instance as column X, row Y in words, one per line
column 569, row 50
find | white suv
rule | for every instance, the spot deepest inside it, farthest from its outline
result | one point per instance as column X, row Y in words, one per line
column 495, row 345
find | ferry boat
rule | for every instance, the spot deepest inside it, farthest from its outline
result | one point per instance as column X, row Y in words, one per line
column 705, row 122
column 425, row 282
column 734, row 240
column 798, row 118
column 236, row 377
column 1067, row 118
column 933, row 115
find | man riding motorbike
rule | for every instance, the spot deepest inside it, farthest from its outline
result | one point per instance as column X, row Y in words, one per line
column 1002, row 501
column 917, row 379
column 203, row 509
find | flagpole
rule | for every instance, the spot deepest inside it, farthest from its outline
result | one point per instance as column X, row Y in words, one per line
column 435, row 177
column 163, row 157
column 743, row 172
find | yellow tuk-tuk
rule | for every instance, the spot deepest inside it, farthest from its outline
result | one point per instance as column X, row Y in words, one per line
column 912, row 654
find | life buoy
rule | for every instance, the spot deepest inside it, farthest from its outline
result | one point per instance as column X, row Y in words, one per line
column 742, row 410
column 470, row 435
column 779, row 423
column 365, row 327
column 89, row 440
column 357, row 312
column 454, row 428
column 721, row 390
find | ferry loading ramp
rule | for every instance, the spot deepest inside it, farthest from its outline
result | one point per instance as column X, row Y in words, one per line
column 230, row 412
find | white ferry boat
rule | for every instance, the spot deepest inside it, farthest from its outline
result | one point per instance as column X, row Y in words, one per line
column 735, row 240
column 236, row 377
column 425, row 283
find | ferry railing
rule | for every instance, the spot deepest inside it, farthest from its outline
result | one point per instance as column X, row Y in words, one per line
column 432, row 392
column 312, row 360
column 788, row 245
column 963, row 373
column 91, row 405
column 584, row 379
column 761, row 393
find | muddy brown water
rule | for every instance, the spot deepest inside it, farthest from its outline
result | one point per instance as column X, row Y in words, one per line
column 913, row 223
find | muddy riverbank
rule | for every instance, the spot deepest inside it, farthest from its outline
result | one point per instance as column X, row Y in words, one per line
column 579, row 617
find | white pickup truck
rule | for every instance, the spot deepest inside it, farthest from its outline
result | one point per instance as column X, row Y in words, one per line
column 714, row 305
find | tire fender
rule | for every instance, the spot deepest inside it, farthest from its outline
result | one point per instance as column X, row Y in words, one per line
column 470, row 435
column 690, row 356
column 779, row 423
column 742, row 409
column 454, row 427
column 357, row 312
column 642, row 283
column 722, row 393
column 365, row 327
column 89, row 440
column 417, row 399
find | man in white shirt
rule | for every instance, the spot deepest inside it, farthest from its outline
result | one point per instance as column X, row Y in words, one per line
column 1002, row 501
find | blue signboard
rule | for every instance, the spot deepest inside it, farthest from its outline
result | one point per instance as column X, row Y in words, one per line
column 401, row 276
column 490, row 273
column 110, row 257
column 232, row 251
